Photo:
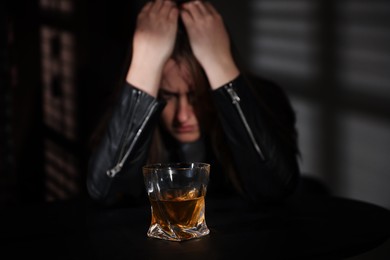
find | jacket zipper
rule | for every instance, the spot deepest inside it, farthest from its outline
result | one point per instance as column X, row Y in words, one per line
column 117, row 168
column 236, row 102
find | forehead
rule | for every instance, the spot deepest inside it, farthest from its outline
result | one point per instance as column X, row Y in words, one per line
column 176, row 76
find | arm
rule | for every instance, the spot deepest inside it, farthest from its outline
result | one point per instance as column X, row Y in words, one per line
column 264, row 155
column 261, row 137
column 153, row 43
column 209, row 41
column 115, row 166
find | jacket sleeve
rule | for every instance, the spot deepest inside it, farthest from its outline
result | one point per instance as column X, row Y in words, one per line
column 115, row 166
column 263, row 148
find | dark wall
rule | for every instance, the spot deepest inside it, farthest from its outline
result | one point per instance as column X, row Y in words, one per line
column 103, row 30
column 23, row 175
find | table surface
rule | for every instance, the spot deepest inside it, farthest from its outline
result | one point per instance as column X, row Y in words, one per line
column 315, row 228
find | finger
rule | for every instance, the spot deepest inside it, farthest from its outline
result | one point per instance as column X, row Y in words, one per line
column 210, row 8
column 201, row 8
column 173, row 13
column 146, row 7
column 193, row 9
column 169, row 2
column 186, row 17
column 167, row 8
column 157, row 4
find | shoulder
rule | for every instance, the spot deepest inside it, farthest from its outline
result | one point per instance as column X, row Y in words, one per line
column 273, row 96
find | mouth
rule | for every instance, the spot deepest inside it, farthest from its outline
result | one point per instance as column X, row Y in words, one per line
column 185, row 129
column 179, row 2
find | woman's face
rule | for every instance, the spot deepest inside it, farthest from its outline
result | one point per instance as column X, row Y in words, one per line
column 178, row 117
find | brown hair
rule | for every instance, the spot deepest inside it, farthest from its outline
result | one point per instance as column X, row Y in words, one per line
column 204, row 110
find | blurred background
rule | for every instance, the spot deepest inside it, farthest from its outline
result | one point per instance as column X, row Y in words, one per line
column 60, row 60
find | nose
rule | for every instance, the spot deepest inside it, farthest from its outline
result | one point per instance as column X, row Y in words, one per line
column 184, row 109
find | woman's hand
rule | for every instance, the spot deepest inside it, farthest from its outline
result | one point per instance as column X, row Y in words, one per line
column 209, row 41
column 153, row 43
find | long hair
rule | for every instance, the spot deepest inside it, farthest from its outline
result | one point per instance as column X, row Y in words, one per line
column 206, row 112
column 204, row 109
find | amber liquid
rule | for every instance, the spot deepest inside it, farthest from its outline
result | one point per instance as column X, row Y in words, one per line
column 177, row 216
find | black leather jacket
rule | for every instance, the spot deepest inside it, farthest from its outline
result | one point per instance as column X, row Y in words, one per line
column 259, row 129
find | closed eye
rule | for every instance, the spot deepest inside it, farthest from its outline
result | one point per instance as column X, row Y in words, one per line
column 166, row 95
column 191, row 97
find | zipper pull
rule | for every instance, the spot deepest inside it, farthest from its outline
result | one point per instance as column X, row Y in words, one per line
column 233, row 94
column 236, row 100
column 111, row 173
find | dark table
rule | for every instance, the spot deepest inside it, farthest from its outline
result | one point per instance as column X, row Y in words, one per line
column 315, row 228
column 304, row 228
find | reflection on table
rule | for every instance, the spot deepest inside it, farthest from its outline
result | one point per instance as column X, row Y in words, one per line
column 304, row 228
column 317, row 228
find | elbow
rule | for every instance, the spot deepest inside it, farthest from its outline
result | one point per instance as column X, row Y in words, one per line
column 275, row 190
column 94, row 192
column 98, row 183
column 99, row 197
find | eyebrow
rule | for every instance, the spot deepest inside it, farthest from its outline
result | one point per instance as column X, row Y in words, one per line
column 176, row 94
column 164, row 91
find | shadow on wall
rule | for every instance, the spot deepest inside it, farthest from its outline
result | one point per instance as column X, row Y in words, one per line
column 332, row 58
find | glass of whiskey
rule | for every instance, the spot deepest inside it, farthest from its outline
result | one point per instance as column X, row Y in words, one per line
column 177, row 193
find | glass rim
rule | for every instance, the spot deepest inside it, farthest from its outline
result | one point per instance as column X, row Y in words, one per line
column 176, row 165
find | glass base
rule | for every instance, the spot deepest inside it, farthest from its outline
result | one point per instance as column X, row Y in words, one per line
column 177, row 233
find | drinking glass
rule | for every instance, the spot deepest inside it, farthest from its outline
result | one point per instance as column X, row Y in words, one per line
column 177, row 193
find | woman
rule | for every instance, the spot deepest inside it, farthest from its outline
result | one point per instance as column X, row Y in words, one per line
column 185, row 99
